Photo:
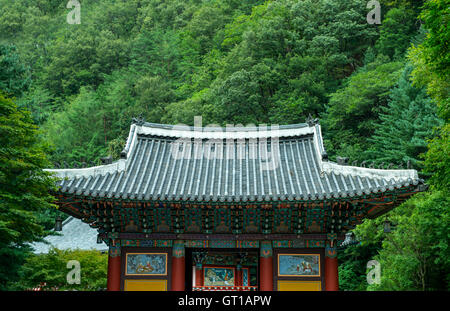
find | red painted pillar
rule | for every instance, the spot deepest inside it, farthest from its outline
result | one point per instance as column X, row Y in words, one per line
column 238, row 280
column 331, row 269
column 114, row 263
column 266, row 266
column 178, row 266
column 198, row 275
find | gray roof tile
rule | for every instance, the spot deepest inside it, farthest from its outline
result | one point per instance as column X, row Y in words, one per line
column 75, row 234
column 232, row 167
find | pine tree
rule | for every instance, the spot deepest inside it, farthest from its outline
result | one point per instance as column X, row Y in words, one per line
column 406, row 124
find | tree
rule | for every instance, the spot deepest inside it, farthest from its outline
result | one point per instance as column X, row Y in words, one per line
column 437, row 158
column 353, row 259
column 431, row 61
column 153, row 95
column 354, row 109
column 40, row 102
column 436, row 14
column 52, row 270
column 244, row 97
column 398, row 26
column 405, row 126
column 76, row 133
column 25, row 187
column 14, row 76
column 415, row 255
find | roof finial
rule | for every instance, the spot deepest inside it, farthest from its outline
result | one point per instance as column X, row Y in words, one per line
column 312, row 121
column 409, row 165
column 138, row 121
column 106, row 160
column 342, row 160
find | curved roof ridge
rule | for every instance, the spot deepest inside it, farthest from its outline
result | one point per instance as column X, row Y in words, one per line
column 250, row 127
column 182, row 131
column 212, row 132
column 349, row 170
column 94, row 171
column 69, row 219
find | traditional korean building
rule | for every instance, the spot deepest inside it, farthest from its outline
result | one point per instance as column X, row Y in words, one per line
column 248, row 208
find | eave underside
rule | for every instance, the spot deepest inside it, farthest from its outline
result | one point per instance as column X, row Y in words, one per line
column 231, row 221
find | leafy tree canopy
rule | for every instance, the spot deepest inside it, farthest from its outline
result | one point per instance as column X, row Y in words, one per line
column 25, row 187
column 49, row 271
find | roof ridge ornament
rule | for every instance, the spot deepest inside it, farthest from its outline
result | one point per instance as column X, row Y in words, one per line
column 382, row 165
column 311, row 121
column 409, row 165
column 138, row 120
column 342, row 160
column 106, row 160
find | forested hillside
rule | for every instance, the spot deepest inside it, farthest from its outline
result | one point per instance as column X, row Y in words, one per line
column 380, row 92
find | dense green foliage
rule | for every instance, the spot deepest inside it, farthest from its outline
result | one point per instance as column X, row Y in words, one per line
column 420, row 261
column 406, row 122
column 230, row 61
column 416, row 255
column 381, row 92
column 24, row 187
column 354, row 109
column 431, row 60
column 14, row 78
column 52, row 270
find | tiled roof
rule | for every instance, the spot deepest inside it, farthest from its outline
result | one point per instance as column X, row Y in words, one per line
column 162, row 162
column 75, row 234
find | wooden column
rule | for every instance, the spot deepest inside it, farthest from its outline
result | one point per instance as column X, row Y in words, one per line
column 238, row 280
column 331, row 267
column 198, row 275
column 198, row 259
column 114, row 263
column 266, row 266
column 178, row 266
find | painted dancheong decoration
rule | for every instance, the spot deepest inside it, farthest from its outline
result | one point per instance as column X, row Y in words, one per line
column 219, row 276
column 299, row 265
column 245, row 277
column 146, row 264
column 269, row 190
